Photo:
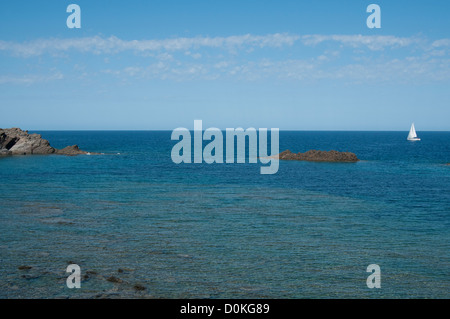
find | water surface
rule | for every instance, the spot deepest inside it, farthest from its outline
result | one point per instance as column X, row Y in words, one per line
column 225, row 230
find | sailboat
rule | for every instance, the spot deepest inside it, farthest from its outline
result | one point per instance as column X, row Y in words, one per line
column 412, row 136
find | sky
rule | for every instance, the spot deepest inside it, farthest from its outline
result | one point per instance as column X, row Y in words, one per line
column 159, row 65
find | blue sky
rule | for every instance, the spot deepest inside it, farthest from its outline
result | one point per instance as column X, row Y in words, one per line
column 301, row 65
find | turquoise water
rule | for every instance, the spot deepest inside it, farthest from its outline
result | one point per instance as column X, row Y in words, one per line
column 225, row 230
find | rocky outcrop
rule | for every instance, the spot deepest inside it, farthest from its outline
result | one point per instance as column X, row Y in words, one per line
column 14, row 141
column 71, row 151
column 319, row 156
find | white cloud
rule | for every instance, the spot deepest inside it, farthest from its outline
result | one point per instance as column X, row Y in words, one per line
column 99, row 45
column 30, row 78
column 373, row 42
column 182, row 59
column 111, row 45
column 441, row 43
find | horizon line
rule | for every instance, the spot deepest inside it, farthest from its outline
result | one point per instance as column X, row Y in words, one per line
column 169, row 130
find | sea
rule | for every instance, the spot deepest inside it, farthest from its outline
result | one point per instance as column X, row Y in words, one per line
column 140, row 226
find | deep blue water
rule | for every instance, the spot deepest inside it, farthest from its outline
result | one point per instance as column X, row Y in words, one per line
column 225, row 230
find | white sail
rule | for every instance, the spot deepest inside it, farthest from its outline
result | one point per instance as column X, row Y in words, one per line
column 412, row 132
column 412, row 136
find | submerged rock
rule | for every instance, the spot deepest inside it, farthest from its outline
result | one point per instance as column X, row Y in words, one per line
column 139, row 287
column 319, row 156
column 25, row 267
column 114, row 279
column 15, row 141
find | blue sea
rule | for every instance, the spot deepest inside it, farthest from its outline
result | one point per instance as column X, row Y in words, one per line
column 140, row 226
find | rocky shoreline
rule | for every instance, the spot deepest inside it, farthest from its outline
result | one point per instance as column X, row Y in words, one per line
column 319, row 156
column 15, row 141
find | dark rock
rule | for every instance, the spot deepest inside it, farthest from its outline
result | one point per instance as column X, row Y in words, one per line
column 319, row 156
column 71, row 151
column 288, row 156
column 139, row 287
column 30, row 277
column 114, row 279
column 123, row 270
column 89, row 274
column 107, row 295
column 15, row 141
column 24, row 267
